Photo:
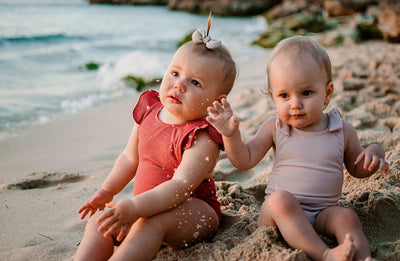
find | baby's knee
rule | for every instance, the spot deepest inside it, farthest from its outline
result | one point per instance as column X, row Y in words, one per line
column 348, row 218
column 92, row 221
column 153, row 223
column 282, row 202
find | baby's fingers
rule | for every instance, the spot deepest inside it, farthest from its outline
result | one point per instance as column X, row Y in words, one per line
column 107, row 224
column 367, row 161
column 214, row 110
column 216, row 106
column 235, row 121
column 225, row 104
column 111, row 230
column 373, row 163
column 106, row 215
column 92, row 211
column 85, row 206
column 123, row 232
column 383, row 165
column 359, row 158
column 84, row 213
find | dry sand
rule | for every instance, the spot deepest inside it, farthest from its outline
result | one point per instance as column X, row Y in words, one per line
column 47, row 172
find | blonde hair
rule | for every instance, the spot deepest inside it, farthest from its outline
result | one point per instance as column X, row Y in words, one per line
column 301, row 45
column 220, row 53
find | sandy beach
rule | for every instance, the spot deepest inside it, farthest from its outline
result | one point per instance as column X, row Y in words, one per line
column 48, row 171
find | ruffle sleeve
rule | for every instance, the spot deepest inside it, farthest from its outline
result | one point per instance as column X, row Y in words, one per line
column 282, row 127
column 212, row 132
column 335, row 120
column 146, row 101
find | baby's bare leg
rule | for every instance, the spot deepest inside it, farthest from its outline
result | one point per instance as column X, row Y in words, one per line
column 93, row 245
column 191, row 222
column 337, row 222
column 283, row 210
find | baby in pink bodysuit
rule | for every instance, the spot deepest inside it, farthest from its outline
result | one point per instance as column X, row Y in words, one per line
column 310, row 147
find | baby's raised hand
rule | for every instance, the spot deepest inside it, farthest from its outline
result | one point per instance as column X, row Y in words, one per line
column 222, row 118
column 98, row 201
column 118, row 219
column 373, row 159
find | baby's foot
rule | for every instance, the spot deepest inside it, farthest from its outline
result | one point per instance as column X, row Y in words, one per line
column 344, row 251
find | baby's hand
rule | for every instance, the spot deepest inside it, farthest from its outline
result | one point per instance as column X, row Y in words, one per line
column 373, row 159
column 98, row 201
column 118, row 219
column 222, row 118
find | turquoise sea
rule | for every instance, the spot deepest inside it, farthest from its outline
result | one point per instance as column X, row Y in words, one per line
column 45, row 43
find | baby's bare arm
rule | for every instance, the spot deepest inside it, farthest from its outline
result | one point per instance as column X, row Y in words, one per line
column 197, row 164
column 242, row 155
column 361, row 162
column 125, row 166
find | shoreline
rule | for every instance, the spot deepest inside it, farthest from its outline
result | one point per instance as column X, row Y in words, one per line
column 51, row 147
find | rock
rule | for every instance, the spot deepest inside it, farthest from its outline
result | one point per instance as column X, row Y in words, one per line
column 347, row 7
column 91, row 66
column 307, row 21
column 100, row 1
column 139, row 83
column 272, row 36
column 360, row 118
column 353, row 84
column 130, row 2
column 389, row 21
column 288, row 8
column 335, row 8
column 223, row 7
column 310, row 22
column 332, row 39
column 367, row 28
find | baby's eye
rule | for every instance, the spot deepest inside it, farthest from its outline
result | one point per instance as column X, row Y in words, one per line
column 196, row 83
column 284, row 95
column 175, row 74
column 307, row 93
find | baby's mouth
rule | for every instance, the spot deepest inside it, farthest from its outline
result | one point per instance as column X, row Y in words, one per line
column 174, row 99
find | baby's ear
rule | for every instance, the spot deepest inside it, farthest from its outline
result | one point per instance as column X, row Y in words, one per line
column 328, row 92
column 271, row 94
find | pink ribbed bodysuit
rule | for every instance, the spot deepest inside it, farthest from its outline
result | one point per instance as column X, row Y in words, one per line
column 309, row 165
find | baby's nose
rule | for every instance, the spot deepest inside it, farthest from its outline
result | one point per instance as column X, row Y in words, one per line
column 296, row 103
column 180, row 85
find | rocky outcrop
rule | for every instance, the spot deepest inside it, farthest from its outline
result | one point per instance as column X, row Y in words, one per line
column 218, row 7
column 336, row 21
column 347, row 7
column 388, row 16
column 223, row 7
column 370, row 19
column 343, row 20
column 130, row 2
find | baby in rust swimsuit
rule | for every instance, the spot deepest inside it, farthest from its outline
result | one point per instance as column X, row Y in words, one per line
column 172, row 152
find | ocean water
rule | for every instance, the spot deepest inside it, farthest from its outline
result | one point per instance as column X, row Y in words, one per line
column 44, row 45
